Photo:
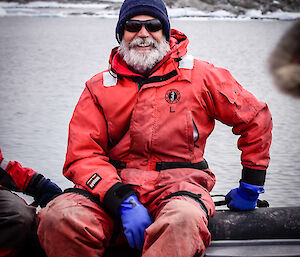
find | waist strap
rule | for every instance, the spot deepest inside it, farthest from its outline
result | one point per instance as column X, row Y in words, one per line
column 174, row 165
column 85, row 194
column 166, row 165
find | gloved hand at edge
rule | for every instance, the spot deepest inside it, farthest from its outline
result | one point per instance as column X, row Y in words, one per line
column 43, row 190
column 17, row 178
column 244, row 197
column 135, row 219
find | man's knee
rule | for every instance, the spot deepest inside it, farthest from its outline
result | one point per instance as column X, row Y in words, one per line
column 184, row 212
column 64, row 215
column 181, row 222
column 74, row 219
column 185, row 216
column 189, row 216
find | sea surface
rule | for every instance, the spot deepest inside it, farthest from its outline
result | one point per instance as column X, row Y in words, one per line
column 45, row 61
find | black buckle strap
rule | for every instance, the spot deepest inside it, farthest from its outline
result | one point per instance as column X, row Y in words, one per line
column 155, row 79
column 85, row 194
column 174, row 165
column 191, row 195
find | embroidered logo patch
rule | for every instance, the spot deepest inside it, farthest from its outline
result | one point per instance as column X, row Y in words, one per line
column 172, row 96
column 93, row 181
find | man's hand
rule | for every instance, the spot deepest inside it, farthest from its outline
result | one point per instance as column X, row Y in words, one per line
column 18, row 178
column 44, row 191
column 244, row 197
column 135, row 219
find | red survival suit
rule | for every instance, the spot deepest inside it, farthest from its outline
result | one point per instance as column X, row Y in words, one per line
column 150, row 133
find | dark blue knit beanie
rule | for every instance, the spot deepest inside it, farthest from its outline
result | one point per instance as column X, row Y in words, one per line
column 154, row 8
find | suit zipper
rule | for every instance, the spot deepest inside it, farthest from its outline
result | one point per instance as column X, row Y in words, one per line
column 139, row 84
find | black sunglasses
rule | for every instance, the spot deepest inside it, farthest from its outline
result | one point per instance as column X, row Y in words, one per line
column 136, row 25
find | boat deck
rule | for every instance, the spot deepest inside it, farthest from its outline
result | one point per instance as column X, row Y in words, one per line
column 254, row 248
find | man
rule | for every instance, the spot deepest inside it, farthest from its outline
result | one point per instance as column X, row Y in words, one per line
column 18, row 221
column 136, row 144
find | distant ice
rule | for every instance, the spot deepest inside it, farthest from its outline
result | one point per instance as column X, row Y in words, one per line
column 280, row 15
column 193, row 13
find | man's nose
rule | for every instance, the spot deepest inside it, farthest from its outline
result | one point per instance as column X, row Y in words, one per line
column 143, row 32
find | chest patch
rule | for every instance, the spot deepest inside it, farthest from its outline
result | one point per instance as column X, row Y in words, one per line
column 172, row 96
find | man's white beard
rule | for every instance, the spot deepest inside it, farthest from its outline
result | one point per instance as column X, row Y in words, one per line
column 142, row 61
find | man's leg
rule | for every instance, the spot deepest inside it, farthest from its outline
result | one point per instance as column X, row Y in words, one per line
column 179, row 230
column 73, row 225
column 17, row 221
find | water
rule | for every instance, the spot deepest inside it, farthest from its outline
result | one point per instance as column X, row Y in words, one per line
column 44, row 63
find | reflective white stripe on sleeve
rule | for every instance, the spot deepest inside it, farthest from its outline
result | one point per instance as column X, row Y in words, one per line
column 186, row 62
column 4, row 164
column 109, row 80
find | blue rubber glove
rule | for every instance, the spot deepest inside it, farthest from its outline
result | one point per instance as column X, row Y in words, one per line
column 45, row 191
column 244, row 197
column 135, row 219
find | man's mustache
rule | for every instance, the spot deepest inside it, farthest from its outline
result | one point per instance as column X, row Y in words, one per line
column 143, row 41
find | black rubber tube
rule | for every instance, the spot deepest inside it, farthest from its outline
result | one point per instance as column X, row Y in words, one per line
column 261, row 223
